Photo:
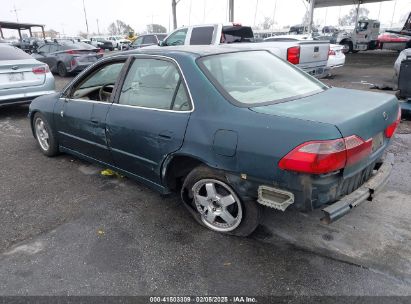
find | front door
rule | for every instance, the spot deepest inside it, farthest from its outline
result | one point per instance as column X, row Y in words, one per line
column 81, row 115
column 150, row 118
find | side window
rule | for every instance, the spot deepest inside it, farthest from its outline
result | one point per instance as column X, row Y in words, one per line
column 99, row 84
column 139, row 41
column 177, row 38
column 44, row 49
column 202, row 35
column 156, row 84
column 53, row 48
column 149, row 39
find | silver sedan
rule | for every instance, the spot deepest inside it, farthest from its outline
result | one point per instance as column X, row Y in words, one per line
column 22, row 78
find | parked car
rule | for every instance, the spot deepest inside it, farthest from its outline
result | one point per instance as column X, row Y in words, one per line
column 232, row 130
column 147, row 40
column 336, row 56
column 119, row 42
column 22, row 78
column 401, row 57
column 28, row 44
column 102, row 43
column 65, row 57
column 394, row 42
column 311, row 56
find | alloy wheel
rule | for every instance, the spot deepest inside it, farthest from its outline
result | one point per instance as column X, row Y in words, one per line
column 219, row 206
column 42, row 134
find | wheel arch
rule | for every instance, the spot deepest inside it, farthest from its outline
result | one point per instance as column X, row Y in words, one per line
column 177, row 166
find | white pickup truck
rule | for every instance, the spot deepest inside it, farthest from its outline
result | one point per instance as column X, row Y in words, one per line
column 310, row 56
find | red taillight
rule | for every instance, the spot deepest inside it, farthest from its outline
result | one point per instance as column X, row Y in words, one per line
column 390, row 130
column 331, row 52
column 72, row 52
column 73, row 62
column 41, row 70
column 293, row 55
column 319, row 157
column 101, row 51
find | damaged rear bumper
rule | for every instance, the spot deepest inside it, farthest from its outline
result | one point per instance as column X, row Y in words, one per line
column 366, row 192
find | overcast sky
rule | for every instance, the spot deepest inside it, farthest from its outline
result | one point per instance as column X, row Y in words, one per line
column 67, row 16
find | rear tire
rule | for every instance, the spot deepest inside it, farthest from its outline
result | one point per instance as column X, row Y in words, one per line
column 215, row 205
column 45, row 135
column 61, row 69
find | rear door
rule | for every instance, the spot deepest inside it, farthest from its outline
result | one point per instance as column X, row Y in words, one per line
column 150, row 118
column 17, row 69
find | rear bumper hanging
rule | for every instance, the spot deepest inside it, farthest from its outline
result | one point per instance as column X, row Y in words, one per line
column 366, row 192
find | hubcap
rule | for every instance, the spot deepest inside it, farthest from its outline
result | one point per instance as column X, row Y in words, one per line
column 42, row 134
column 219, row 206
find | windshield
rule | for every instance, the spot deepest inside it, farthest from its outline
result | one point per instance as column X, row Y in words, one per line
column 258, row 77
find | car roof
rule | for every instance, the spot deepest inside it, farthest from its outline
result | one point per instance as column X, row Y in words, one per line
column 193, row 50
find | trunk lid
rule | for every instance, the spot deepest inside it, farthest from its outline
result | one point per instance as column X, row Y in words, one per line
column 365, row 114
column 19, row 73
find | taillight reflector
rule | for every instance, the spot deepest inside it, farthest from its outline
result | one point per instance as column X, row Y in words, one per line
column 71, row 52
column 293, row 55
column 390, row 130
column 41, row 70
column 331, row 53
column 319, row 157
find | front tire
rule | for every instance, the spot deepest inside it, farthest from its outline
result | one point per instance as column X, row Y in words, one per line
column 211, row 200
column 45, row 136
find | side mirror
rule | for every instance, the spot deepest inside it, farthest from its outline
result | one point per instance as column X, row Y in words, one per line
column 34, row 51
column 162, row 43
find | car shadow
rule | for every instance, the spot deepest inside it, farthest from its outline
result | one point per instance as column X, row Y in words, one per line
column 14, row 111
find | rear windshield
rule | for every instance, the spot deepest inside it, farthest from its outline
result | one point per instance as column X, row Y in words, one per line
column 78, row 46
column 12, row 53
column 258, row 77
column 234, row 34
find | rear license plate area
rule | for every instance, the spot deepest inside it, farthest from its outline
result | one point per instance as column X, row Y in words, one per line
column 377, row 142
column 16, row 77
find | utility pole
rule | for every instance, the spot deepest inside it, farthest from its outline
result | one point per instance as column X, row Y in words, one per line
column 311, row 17
column 275, row 10
column 174, row 12
column 85, row 16
column 230, row 10
column 98, row 27
column 255, row 13
column 15, row 10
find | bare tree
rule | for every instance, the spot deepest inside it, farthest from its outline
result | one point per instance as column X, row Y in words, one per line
column 119, row 28
column 349, row 19
column 267, row 23
column 156, row 28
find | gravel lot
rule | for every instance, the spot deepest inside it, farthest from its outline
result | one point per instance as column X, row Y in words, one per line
column 68, row 230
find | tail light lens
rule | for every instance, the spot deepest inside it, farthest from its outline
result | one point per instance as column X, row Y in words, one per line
column 319, row 157
column 390, row 130
column 293, row 55
column 72, row 52
column 331, row 53
column 73, row 62
column 41, row 70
